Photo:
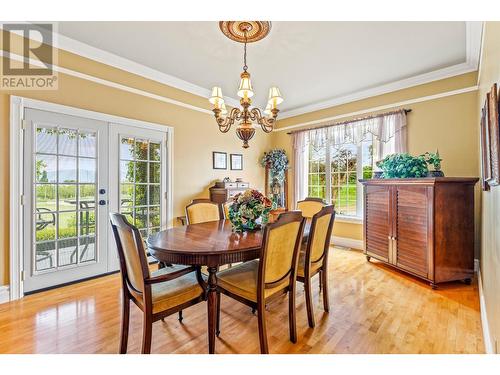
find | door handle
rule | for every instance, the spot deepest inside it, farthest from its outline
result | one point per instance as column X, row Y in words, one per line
column 102, row 202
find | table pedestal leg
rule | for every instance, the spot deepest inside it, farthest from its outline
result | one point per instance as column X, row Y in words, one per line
column 212, row 308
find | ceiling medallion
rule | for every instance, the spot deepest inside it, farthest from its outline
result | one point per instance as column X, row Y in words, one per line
column 245, row 32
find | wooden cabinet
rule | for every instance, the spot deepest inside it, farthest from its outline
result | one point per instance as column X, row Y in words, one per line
column 221, row 192
column 421, row 226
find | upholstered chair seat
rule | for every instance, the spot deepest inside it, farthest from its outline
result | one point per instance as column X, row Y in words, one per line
column 175, row 292
column 242, row 280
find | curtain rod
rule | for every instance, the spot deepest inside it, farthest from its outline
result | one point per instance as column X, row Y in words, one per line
column 405, row 110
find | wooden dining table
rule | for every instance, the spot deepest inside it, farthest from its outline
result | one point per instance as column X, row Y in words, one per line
column 210, row 244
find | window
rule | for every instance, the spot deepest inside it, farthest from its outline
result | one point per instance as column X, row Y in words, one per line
column 334, row 171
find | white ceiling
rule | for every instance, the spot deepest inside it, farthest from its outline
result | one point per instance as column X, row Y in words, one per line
column 311, row 62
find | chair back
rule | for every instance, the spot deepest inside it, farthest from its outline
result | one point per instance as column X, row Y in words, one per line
column 226, row 209
column 319, row 234
column 133, row 260
column 280, row 250
column 201, row 211
column 310, row 206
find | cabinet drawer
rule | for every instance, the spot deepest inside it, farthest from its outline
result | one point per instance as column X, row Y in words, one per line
column 231, row 185
column 244, row 185
column 232, row 193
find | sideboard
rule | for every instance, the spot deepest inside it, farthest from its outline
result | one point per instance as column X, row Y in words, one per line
column 423, row 226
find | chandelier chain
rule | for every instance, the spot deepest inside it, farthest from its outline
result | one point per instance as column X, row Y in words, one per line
column 245, row 67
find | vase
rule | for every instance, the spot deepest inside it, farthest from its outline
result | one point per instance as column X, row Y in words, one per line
column 435, row 174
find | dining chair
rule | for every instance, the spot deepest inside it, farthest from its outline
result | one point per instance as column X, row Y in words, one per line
column 257, row 282
column 158, row 294
column 313, row 258
column 201, row 211
column 310, row 205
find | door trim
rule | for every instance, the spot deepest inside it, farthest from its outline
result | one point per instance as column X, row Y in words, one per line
column 16, row 134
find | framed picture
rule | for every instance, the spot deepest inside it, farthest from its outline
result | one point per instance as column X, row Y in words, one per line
column 494, row 136
column 236, row 162
column 219, row 160
column 485, row 148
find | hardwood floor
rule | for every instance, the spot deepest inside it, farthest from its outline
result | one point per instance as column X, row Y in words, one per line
column 374, row 309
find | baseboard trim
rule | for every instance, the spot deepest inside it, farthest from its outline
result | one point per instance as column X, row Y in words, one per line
column 488, row 345
column 347, row 242
column 4, row 294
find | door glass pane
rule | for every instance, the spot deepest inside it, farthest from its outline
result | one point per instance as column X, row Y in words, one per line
column 154, row 194
column 127, row 195
column 87, row 145
column 154, row 173
column 45, row 199
column 141, row 195
column 46, row 168
column 87, row 222
column 45, row 224
column 45, row 256
column 154, row 151
column 67, row 169
column 127, row 171
column 87, row 170
column 67, row 251
column 87, row 195
column 127, row 148
column 65, row 196
column 46, row 140
column 86, row 249
column 141, row 149
column 67, row 142
column 67, row 225
column 141, row 172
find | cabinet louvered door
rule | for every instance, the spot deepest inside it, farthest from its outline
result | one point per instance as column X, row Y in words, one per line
column 378, row 223
column 411, row 244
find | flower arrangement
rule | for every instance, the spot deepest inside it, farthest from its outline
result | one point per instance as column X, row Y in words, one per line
column 247, row 208
column 277, row 161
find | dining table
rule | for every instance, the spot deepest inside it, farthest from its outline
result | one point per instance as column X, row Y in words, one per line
column 211, row 244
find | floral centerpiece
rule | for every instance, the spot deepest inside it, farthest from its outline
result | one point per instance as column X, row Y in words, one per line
column 247, row 208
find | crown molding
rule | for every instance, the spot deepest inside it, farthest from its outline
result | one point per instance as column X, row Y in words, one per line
column 473, row 32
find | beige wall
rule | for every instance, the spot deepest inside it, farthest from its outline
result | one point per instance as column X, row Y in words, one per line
column 448, row 124
column 490, row 233
column 195, row 134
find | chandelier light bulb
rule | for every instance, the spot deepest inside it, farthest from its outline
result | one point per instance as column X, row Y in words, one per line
column 245, row 90
column 216, row 98
column 275, row 97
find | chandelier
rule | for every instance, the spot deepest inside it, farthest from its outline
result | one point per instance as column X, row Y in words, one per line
column 245, row 32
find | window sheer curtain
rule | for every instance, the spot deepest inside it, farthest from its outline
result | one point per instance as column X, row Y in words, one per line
column 389, row 130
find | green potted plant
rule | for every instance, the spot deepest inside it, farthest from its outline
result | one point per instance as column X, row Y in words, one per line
column 403, row 166
column 433, row 159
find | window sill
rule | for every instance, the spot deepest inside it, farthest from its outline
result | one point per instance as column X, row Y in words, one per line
column 348, row 219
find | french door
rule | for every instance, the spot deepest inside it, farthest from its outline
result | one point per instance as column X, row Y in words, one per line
column 76, row 171
column 137, row 171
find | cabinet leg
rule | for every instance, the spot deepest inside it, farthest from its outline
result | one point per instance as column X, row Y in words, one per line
column 468, row 281
column 368, row 258
column 433, row 286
